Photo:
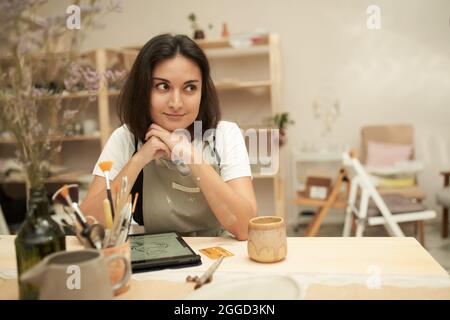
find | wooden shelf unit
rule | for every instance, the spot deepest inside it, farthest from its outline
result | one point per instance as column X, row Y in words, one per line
column 77, row 144
column 267, row 49
column 78, row 95
column 237, row 85
column 267, row 53
column 64, row 139
column 71, row 177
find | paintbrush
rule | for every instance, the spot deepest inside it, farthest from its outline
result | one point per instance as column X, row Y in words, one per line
column 126, row 223
column 123, row 233
column 73, row 228
column 124, row 186
column 106, row 166
column 123, row 194
column 116, row 191
column 122, row 229
column 114, row 234
column 131, row 215
column 64, row 197
column 108, row 214
column 134, row 202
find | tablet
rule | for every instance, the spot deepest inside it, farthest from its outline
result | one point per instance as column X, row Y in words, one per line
column 158, row 251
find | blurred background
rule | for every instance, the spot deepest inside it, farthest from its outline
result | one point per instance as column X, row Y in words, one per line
column 368, row 75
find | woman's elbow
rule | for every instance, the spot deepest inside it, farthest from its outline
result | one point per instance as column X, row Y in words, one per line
column 242, row 233
column 241, row 236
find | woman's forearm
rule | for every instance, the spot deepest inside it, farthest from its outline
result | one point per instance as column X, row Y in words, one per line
column 93, row 203
column 232, row 210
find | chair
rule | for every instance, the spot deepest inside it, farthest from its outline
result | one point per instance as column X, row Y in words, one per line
column 443, row 199
column 336, row 199
column 373, row 209
column 395, row 134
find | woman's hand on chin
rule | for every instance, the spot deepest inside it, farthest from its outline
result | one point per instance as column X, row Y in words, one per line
column 177, row 141
column 153, row 148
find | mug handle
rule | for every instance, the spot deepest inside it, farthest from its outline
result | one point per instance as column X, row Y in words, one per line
column 126, row 275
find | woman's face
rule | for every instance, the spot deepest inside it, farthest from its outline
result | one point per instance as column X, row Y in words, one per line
column 175, row 93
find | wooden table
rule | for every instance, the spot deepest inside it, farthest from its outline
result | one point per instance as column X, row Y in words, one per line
column 307, row 257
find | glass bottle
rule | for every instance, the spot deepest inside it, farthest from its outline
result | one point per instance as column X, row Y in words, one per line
column 38, row 237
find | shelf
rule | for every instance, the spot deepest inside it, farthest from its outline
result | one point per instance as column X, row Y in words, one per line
column 234, row 52
column 215, row 49
column 263, row 176
column 212, row 44
column 216, row 44
column 78, row 95
column 308, row 202
column 319, row 157
column 235, row 85
column 66, row 138
column 82, row 138
column 221, row 43
column 61, row 55
column 72, row 177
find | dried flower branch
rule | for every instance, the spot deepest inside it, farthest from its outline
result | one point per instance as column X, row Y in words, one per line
column 36, row 53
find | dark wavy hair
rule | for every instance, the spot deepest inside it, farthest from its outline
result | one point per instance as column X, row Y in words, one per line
column 134, row 99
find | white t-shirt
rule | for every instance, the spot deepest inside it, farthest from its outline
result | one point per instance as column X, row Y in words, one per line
column 230, row 146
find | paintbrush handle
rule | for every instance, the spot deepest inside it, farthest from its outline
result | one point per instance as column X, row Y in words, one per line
column 79, row 215
column 115, row 230
column 109, row 194
column 108, row 214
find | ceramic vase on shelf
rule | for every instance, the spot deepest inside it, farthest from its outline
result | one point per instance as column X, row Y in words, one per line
column 199, row 34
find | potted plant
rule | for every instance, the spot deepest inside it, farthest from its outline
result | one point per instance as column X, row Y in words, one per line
column 281, row 121
column 198, row 32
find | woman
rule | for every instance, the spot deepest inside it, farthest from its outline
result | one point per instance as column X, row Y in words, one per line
column 169, row 88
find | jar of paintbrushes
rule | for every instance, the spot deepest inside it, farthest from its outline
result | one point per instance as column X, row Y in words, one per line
column 110, row 238
column 118, row 218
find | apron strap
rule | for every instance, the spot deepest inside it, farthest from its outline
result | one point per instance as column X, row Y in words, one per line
column 138, row 215
column 216, row 154
column 138, row 187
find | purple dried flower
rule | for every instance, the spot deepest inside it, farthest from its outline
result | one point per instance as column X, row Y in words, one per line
column 92, row 79
column 23, row 35
column 115, row 78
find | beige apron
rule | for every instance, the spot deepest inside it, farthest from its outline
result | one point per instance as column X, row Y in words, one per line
column 173, row 202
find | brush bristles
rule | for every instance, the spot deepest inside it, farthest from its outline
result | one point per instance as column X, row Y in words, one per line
column 105, row 165
column 65, row 191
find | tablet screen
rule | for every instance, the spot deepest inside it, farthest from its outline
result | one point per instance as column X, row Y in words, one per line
column 157, row 246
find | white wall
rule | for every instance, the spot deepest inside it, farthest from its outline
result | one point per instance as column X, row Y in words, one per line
column 398, row 74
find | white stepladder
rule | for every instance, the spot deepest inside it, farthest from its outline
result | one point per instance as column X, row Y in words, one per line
column 362, row 185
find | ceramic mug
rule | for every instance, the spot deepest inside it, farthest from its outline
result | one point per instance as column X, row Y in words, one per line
column 81, row 274
column 267, row 239
column 118, row 267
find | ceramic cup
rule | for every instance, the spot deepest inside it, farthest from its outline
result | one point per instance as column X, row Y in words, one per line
column 117, row 268
column 89, row 126
column 267, row 239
